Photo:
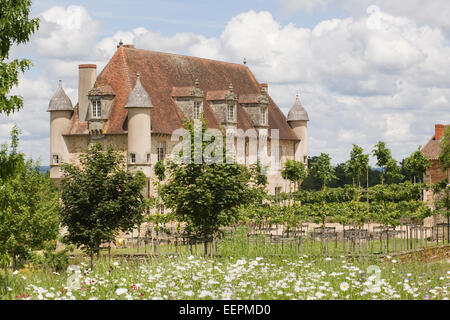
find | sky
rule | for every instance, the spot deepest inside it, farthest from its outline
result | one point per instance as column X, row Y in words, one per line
column 366, row 71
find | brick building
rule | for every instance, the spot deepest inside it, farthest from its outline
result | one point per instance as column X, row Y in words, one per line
column 432, row 150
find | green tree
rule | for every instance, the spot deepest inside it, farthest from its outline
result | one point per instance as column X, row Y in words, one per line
column 100, row 198
column 28, row 207
column 295, row 172
column 323, row 170
column 383, row 155
column 10, row 159
column 16, row 27
column 393, row 171
column 206, row 195
column 444, row 155
column 442, row 201
column 416, row 164
column 160, row 170
column 358, row 164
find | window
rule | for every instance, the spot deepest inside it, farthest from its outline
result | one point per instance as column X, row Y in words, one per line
column 263, row 116
column 161, row 151
column 230, row 113
column 55, row 159
column 196, row 110
column 96, row 109
column 305, row 159
column 148, row 157
column 161, row 209
column 133, row 158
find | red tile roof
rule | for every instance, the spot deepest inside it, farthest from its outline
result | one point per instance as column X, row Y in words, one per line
column 432, row 149
column 164, row 76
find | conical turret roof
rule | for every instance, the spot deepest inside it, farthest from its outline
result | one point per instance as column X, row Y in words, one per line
column 60, row 100
column 297, row 112
column 139, row 97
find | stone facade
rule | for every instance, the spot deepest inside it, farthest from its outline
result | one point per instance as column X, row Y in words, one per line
column 136, row 114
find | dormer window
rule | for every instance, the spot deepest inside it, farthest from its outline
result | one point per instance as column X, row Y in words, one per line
column 230, row 113
column 264, row 116
column 197, row 110
column 96, row 109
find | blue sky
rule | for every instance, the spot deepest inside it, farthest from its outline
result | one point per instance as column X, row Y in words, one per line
column 367, row 70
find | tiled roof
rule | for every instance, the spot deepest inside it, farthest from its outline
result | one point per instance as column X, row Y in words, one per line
column 101, row 90
column 297, row 112
column 60, row 101
column 433, row 148
column 165, row 76
column 139, row 98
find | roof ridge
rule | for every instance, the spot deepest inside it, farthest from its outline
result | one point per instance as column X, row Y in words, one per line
column 186, row 56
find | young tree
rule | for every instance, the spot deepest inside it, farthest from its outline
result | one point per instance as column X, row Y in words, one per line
column 444, row 156
column 206, row 196
column 416, row 164
column 383, row 155
column 28, row 207
column 16, row 27
column 10, row 159
column 295, row 172
column 393, row 171
column 323, row 170
column 357, row 165
column 100, row 198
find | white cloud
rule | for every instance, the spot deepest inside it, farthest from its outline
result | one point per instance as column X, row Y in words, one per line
column 67, row 33
column 434, row 13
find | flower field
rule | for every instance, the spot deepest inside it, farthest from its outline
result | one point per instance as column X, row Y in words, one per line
column 302, row 278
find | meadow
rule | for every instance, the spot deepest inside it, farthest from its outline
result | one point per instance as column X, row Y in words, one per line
column 236, row 272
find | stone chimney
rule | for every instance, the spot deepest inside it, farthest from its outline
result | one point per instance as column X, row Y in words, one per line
column 438, row 131
column 86, row 79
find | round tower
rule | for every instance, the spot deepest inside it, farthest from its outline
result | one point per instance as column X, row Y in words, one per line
column 298, row 120
column 139, row 128
column 61, row 110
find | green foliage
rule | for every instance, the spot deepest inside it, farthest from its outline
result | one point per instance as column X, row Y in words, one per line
column 442, row 197
column 294, row 171
column 56, row 260
column 100, row 198
column 358, row 163
column 28, row 206
column 393, row 171
column 160, row 170
column 206, row 196
column 416, row 164
column 10, row 159
column 444, row 156
column 383, row 155
column 323, row 170
column 16, row 27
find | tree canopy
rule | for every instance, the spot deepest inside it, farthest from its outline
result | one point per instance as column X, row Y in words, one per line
column 100, row 198
column 28, row 206
column 16, row 27
column 206, row 195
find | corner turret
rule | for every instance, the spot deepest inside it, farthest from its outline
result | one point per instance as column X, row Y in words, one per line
column 298, row 120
